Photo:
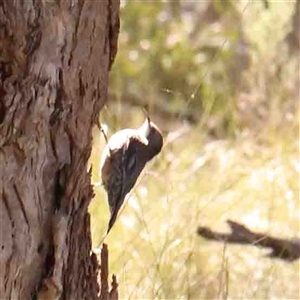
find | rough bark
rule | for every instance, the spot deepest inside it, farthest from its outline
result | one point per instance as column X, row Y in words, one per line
column 54, row 62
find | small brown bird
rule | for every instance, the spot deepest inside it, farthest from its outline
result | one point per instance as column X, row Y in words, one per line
column 124, row 158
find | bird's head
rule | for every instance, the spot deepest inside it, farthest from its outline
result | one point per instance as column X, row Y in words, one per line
column 154, row 137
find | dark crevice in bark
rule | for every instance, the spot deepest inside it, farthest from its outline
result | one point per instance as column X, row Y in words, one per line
column 81, row 85
column 40, row 247
column 33, row 40
column 52, row 143
column 50, row 260
column 5, row 201
column 74, row 34
column 59, row 191
column 113, row 30
column 20, row 201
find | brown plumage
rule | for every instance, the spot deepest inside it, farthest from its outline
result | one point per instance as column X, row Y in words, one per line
column 124, row 158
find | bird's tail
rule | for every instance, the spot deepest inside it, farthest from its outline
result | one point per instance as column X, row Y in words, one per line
column 112, row 221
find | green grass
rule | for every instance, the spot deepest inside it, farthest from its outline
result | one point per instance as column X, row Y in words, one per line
column 154, row 249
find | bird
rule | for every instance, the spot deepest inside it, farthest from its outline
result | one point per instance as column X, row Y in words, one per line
column 123, row 159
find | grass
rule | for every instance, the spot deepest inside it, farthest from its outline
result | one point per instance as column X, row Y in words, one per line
column 251, row 176
column 154, row 249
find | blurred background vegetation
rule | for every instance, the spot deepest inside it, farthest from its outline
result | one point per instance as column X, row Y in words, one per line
column 221, row 78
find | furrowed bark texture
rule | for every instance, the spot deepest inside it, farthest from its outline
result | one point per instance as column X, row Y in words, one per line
column 54, row 62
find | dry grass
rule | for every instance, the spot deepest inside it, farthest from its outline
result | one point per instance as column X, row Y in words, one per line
column 154, row 249
column 252, row 178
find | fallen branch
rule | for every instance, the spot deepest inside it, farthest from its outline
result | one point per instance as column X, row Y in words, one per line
column 285, row 249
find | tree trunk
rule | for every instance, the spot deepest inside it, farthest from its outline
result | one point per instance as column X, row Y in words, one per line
column 54, row 62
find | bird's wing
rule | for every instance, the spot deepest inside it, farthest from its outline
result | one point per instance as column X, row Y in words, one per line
column 126, row 165
column 115, row 180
